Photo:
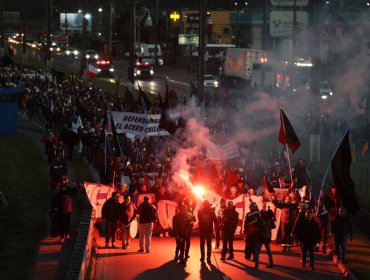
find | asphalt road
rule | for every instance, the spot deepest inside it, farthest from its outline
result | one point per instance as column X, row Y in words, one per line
column 158, row 264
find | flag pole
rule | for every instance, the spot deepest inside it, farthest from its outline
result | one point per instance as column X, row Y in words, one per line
column 286, row 147
column 327, row 169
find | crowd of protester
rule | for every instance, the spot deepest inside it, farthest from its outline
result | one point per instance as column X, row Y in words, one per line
column 142, row 170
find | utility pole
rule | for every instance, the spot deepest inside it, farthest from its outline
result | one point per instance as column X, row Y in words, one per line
column 315, row 48
column 24, row 30
column 2, row 51
column 48, row 34
column 294, row 35
column 156, row 34
column 83, row 49
column 201, row 47
column 110, row 28
column 132, row 42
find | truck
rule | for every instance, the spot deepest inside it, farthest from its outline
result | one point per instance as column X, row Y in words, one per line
column 239, row 62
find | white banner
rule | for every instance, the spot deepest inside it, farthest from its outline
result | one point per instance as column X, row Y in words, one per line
column 137, row 124
column 98, row 194
column 228, row 151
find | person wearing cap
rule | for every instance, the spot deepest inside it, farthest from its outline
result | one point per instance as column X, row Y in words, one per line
column 110, row 214
column 147, row 216
column 298, row 224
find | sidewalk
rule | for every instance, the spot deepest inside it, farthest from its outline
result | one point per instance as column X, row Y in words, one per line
column 53, row 257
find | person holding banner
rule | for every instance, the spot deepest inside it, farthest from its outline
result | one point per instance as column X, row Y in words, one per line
column 127, row 212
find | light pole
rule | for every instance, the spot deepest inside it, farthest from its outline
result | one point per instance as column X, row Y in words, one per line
column 2, row 51
column 48, row 34
column 132, row 42
column 201, row 47
column 83, row 49
column 100, row 10
column 110, row 28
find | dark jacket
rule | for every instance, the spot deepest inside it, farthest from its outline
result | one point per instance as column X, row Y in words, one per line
column 206, row 218
column 110, row 210
column 287, row 211
column 147, row 213
column 63, row 199
column 181, row 225
column 308, row 233
column 127, row 213
column 341, row 226
column 230, row 219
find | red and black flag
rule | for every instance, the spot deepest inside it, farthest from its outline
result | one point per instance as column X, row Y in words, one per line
column 287, row 135
column 267, row 185
column 340, row 168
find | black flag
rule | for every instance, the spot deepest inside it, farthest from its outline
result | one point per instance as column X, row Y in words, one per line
column 130, row 102
column 287, row 135
column 340, row 167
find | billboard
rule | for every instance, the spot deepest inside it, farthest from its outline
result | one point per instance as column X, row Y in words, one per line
column 281, row 22
column 188, row 39
column 73, row 21
column 289, row 3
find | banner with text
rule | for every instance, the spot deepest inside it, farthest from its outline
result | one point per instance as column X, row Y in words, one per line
column 137, row 124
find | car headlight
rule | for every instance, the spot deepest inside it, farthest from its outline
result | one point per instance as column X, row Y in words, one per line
column 138, row 72
column 96, row 56
column 58, row 49
column 324, row 97
column 75, row 52
column 111, row 69
column 216, row 83
column 151, row 72
column 51, row 49
column 331, row 93
column 88, row 56
column 68, row 52
column 99, row 70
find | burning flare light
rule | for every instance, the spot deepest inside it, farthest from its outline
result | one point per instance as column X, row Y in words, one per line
column 198, row 190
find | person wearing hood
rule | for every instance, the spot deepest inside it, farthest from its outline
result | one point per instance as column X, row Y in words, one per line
column 230, row 219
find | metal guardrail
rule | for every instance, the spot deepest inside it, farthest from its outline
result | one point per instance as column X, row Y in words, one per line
column 82, row 252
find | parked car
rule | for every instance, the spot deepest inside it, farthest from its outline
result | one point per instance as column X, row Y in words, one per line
column 210, row 81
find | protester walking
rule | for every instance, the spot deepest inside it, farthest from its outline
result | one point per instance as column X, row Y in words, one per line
column 110, row 214
column 219, row 210
column 230, row 219
column 341, row 228
column 190, row 205
column 267, row 224
column 207, row 219
column 308, row 233
column 181, row 228
column 127, row 212
column 252, row 231
column 147, row 216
